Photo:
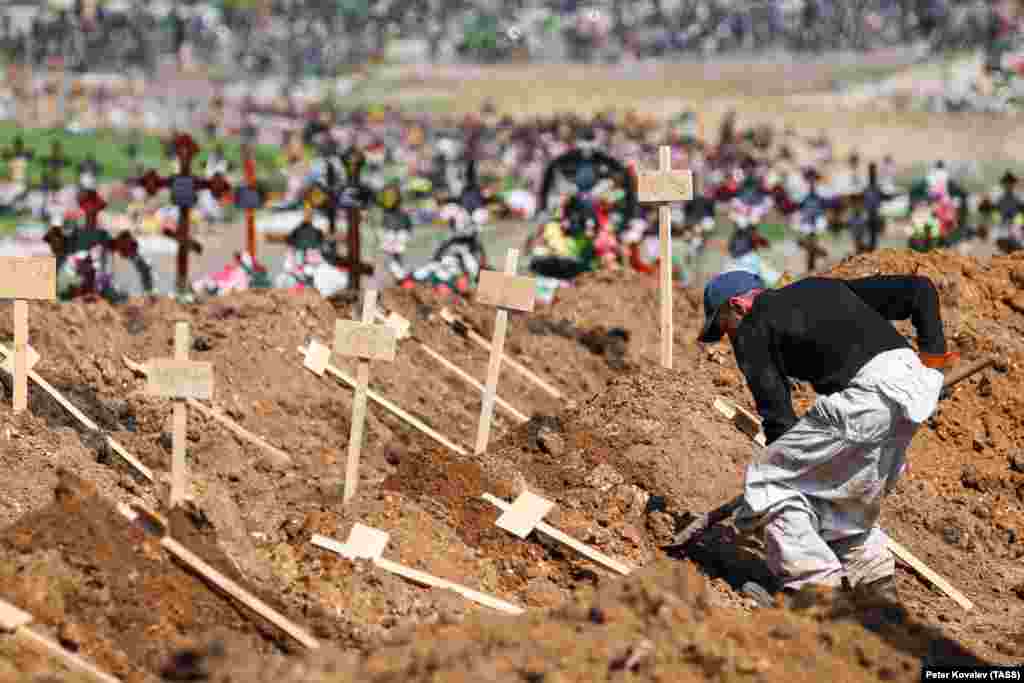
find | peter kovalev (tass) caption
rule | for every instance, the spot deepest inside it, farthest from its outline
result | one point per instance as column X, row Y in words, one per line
column 980, row 673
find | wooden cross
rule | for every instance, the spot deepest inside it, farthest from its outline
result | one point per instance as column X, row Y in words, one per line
column 663, row 187
column 24, row 279
column 179, row 379
column 354, row 197
column 249, row 198
column 368, row 543
column 527, row 514
column 366, row 341
column 505, row 291
column 184, row 188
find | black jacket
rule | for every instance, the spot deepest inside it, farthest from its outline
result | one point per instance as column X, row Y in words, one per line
column 823, row 331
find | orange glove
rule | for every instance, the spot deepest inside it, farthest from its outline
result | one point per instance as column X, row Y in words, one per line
column 939, row 361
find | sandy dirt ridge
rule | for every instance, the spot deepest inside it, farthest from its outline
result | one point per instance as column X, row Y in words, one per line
column 632, row 450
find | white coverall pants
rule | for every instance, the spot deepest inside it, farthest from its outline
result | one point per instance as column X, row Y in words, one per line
column 816, row 491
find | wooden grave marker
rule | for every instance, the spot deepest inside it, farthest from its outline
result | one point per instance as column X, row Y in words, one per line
column 403, row 330
column 505, row 291
column 316, row 359
column 184, row 189
column 249, row 198
column 366, row 341
column 279, row 456
column 367, row 543
column 663, row 187
column 179, row 379
column 526, row 514
column 16, row 622
column 23, row 279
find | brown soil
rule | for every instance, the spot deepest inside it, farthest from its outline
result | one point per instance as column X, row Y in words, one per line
column 633, row 452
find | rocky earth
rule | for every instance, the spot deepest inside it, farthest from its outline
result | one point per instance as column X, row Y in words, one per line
column 628, row 453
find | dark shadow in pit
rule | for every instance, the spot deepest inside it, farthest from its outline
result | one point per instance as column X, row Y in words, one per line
column 723, row 553
column 600, row 341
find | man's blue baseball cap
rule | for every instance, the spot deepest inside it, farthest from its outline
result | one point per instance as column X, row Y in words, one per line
column 720, row 289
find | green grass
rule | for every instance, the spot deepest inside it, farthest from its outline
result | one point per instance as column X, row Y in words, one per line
column 8, row 223
column 110, row 149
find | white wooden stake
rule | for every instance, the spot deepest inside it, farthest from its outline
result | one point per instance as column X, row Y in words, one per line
column 368, row 543
column 524, row 516
column 23, row 279
column 503, row 290
column 316, row 361
column 455, row 323
column 238, row 430
column 16, row 622
column 365, row 341
column 179, row 475
column 399, row 322
column 179, row 379
column 665, row 240
column 20, row 355
column 665, row 186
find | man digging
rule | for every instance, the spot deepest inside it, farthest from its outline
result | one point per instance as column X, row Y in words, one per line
column 815, row 492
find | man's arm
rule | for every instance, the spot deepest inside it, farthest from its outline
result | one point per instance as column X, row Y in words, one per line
column 755, row 355
column 903, row 297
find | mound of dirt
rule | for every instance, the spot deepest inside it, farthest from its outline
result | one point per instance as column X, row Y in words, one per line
column 659, row 625
column 107, row 590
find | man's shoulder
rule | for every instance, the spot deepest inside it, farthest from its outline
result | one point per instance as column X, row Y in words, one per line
column 792, row 295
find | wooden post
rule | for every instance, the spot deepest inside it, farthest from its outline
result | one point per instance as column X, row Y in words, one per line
column 16, row 622
column 503, row 290
column 316, row 358
column 367, row 543
column 20, row 355
column 462, row 329
column 24, row 279
column 366, row 341
column 182, row 342
column 402, row 327
column 526, row 514
column 179, row 379
column 664, row 186
column 250, row 211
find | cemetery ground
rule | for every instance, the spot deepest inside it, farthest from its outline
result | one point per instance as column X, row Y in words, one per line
column 627, row 450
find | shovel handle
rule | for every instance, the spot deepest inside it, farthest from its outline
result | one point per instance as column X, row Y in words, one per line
column 962, row 373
